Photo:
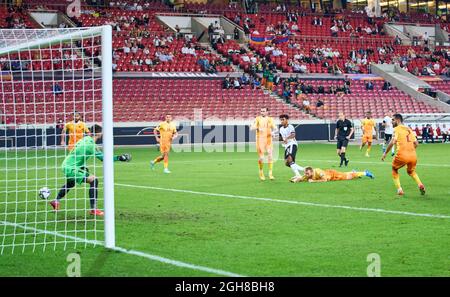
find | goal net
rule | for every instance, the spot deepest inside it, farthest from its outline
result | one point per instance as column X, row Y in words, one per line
column 48, row 79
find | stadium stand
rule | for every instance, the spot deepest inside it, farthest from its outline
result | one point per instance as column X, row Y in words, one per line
column 359, row 100
column 153, row 98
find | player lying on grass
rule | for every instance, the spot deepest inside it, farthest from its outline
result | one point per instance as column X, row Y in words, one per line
column 406, row 143
column 317, row 175
column 76, row 173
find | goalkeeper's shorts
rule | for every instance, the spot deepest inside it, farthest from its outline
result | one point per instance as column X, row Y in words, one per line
column 79, row 174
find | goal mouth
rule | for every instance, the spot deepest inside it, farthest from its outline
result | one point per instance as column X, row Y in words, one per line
column 56, row 84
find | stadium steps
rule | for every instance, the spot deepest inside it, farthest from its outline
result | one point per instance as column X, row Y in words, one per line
column 278, row 98
column 234, row 67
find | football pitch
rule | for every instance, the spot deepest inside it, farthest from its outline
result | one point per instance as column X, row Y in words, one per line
column 212, row 216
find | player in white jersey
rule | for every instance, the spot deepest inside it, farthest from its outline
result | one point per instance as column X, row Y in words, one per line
column 388, row 131
column 287, row 133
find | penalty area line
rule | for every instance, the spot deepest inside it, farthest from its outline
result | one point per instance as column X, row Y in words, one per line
column 127, row 251
column 313, row 204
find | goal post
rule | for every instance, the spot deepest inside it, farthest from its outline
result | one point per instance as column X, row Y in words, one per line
column 46, row 76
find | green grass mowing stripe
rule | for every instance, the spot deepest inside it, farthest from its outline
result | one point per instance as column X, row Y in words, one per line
column 126, row 251
column 379, row 210
column 300, row 160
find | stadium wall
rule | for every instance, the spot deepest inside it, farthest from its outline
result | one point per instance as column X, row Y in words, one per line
column 143, row 135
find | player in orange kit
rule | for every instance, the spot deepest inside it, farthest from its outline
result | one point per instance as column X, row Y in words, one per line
column 368, row 124
column 406, row 143
column 316, row 175
column 264, row 126
column 76, row 130
column 167, row 132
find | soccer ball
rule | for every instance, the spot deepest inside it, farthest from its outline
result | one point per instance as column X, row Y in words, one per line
column 44, row 193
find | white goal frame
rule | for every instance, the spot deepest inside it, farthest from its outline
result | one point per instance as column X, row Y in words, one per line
column 107, row 109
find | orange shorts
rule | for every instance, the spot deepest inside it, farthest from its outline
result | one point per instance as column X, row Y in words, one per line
column 263, row 146
column 333, row 175
column 165, row 147
column 367, row 138
column 401, row 160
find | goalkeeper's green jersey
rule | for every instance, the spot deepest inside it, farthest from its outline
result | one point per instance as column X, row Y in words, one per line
column 82, row 152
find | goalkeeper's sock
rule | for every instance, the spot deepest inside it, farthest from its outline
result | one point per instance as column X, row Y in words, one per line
column 270, row 168
column 65, row 189
column 166, row 162
column 93, row 193
column 158, row 159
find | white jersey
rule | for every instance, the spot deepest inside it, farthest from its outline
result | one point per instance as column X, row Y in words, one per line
column 285, row 133
column 388, row 128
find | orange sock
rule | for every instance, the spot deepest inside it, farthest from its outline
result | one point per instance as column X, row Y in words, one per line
column 416, row 178
column 166, row 161
column 260, row 164
column 396, row 179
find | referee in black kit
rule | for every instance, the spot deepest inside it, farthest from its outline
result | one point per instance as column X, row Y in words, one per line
column 343, row 133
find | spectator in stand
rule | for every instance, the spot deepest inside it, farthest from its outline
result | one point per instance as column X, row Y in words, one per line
column 177, row 31
column 287, row 94
column 226, row 84
column 417, row 131
column 256, row 83
column 425, row 135
column 369, row 85
column 445, row 133
column 438, row 132
column 236, row 33
column 57, row 89
column 277, row 52
column 386, row 86
column 245, row 79
column 236, row 84
column 334, row 31
column 425, row 38
column 430, row 132
column 306, row 105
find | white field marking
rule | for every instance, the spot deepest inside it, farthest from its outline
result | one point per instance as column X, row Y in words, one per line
column 300, row 161
column 129, row 252
column 379, row 210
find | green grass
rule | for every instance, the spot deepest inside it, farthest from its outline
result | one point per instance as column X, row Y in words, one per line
column 243, row 236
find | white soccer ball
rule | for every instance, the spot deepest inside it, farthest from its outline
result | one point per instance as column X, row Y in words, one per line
column 44, row 193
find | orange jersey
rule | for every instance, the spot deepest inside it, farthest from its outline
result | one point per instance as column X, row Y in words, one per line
column 367, row 126
column 332, row 175
column 264, row 126
column 76, row 132
column 405, row 139
column 166, row 132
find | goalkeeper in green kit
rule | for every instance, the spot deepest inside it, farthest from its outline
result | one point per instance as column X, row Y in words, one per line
column 76, row 173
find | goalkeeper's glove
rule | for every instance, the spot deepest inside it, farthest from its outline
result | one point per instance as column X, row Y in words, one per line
column 125, row 158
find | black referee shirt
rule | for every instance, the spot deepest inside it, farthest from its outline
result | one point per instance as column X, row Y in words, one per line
column 344, row 128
